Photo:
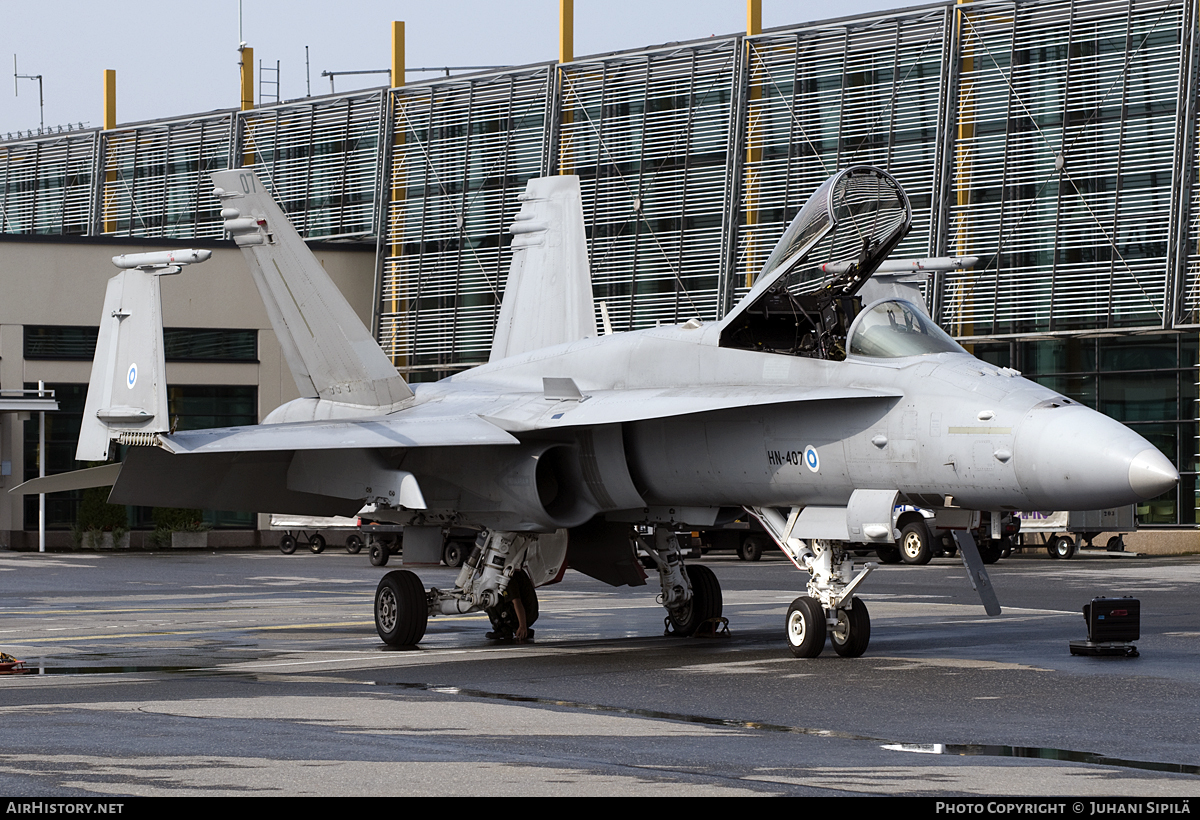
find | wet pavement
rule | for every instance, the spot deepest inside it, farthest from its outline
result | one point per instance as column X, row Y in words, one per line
column 258, row 673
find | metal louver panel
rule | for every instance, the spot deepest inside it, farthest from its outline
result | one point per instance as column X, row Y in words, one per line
column 46, row 185
column 462, row 152
column 320, row 160
column 823, row 98
column 650, row 137
column 1061, row 177
column 154, row 178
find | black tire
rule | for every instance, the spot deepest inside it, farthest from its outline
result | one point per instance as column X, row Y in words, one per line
column 888, row 555
column 317, row 544
column 287, row 545
column 1006, row 547
column 1062, row 547
column 1116, row 544
column 705, row 603
column 354, row 544
column 378, row 552
column 989, row 551
column 805, row 627
column 853, row 631
column 916, row 545
column 751, row 549
column 454, row 553
column 401, row 609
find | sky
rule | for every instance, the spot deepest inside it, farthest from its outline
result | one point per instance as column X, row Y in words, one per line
column 177, row 58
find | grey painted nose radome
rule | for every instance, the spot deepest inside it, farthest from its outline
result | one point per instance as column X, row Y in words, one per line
column 1069, row 457
column 1151, row 473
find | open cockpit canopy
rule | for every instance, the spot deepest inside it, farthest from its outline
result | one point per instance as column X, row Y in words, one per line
column 803, row 301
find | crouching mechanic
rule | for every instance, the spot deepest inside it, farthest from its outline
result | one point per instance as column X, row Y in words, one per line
column 516, row 612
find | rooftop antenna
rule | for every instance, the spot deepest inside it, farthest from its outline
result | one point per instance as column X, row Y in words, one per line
column 41, row 98
column 307, row 74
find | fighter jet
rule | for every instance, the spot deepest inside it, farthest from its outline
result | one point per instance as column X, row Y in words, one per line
column 824, row 398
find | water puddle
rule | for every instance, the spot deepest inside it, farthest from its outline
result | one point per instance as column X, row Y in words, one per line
column 965, row 750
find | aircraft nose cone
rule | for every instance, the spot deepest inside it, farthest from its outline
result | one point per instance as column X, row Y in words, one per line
column 1073, row 458
column 1151, row 474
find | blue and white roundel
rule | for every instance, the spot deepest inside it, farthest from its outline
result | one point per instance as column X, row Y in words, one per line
column 131, row 379
column 811, row 460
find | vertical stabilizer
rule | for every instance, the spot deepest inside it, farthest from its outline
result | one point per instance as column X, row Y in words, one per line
column 329, row 351
column 127, row 394
column 548, row 295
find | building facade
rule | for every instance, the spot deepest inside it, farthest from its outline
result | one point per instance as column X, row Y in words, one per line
column 1055, row 140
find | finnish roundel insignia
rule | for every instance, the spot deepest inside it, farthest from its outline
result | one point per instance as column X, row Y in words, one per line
column 131, row 379
column 811, row 460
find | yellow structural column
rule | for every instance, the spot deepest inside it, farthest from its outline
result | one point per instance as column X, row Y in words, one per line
column 246, row 66
column 753, row 150
column 107, row 204
column 566, row 31
column 110, row 99
column 566, row 53
column 110, row 173
column 246, row 63
column 397, row 53
column 963, row 157
column 395, row 220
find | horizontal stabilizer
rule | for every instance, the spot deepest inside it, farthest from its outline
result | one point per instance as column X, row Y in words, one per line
column 103, row 476
column 379, row 432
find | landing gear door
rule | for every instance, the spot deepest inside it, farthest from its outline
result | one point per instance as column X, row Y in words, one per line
column 869, row 516
column 546, row 558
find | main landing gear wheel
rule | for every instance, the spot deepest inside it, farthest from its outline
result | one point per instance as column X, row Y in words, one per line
column 317, row 544
column 915, row 546
column 705, row 602
column 378, row 554
column 354, row 544
column 287, row 545
column 853, row 631
column 401, row 608
column 806, row 627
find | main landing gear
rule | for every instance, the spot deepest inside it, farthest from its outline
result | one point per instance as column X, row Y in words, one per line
column 403, row 607
column 829, row 610
column 691, row 594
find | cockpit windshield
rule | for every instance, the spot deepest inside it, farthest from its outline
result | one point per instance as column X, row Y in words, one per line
column 894, row 329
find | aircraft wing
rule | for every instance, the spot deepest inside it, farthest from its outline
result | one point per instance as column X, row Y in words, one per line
column 397, row 430
column 642, row 404
column 419, row 427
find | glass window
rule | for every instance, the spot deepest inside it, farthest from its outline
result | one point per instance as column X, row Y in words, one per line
column 181, row 344
column 1138, row 353
column 1058, row 356
column 1139, row 396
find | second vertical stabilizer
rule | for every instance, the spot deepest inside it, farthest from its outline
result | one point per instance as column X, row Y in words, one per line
column 548, row 295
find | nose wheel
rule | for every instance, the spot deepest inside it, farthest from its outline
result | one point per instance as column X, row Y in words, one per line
column 853, row 630
column 807, row 627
